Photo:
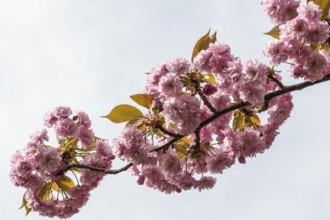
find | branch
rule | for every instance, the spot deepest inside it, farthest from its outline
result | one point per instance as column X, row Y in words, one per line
column 167, row 132
column 234, row 107
column 96, row 169
column 279, row 83
column 168, row 144
column 205, row 100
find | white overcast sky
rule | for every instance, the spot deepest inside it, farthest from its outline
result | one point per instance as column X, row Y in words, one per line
column 91, row 55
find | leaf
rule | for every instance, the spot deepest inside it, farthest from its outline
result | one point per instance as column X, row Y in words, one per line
column 45, row 192
column 186, row 139
column 210, row 78
column 25, row 205
column 325, row 6
column 254, row 120
column 138, row 122
column 65, row 183
column 275, row 32
column 238, row 121
column 203, row 43
column 243, row 119
column 123, row 113
column 144, row 100
column 55, row 187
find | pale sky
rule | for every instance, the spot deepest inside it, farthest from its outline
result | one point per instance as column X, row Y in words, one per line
column 92, row 55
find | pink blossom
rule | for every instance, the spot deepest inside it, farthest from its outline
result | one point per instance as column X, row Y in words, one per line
column 83, row 119
column 206, row 182
column 203, row 61
column 281, row 11
column 252, row 93
column 317, row 33
column 85, row 136
column 104, row 150
column 280, row 109
column 183, row 111
column 178, row 66
column 50, row 119
column 314, row 66
column 277, row 51
column 255, row 71
column 222, row 160
column 248, row 143
column 170, row 85
column 49, row 160
column 171, row 164
column 62, row 112
column 209, row 89
column 65, row 128
column 310, row 11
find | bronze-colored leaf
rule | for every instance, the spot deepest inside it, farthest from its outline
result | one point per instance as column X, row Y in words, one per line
column 203, row 43
column 274, row 32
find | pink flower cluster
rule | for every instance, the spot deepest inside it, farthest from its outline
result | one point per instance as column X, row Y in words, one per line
column 184, row 165
column 301, row 41
column 203, row 118
column 41, row 169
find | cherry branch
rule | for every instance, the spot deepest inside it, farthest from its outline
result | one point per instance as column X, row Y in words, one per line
column 267, row 98
column 96, row 169
column 278, row 82
column 167, row 132
column 205, row 100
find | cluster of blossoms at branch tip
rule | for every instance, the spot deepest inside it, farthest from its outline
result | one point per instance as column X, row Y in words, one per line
column 183, row 98
column 53, row 187
column 303, row 39
column 200, row 118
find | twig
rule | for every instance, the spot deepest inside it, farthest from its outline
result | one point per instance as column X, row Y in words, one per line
column 234, row 107
column 205, row 100
column 279, row 83
column 166, row 131
column 96, row 169
column 168, row 144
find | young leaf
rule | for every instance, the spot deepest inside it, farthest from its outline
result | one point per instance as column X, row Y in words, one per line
column 138, row 122
column 203, row 43
column 65, row 183
column 45, row 192
column 254, row 120
column 238, row 121
column 275, row 32
column 25, row 205
column 55, row 187
column 123, row 113
column 144, row 100
column 210, row 78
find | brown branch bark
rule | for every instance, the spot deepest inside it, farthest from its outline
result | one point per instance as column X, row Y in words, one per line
column 267, row 98
column 96, row 169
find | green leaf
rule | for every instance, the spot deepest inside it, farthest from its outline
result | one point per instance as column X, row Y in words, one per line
column 325, row 6
column 144, row 100
column 203, row 43
column 25, row 205
column 275, row 32
column 65, row 183
column 210, row 78
column 123, row 113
